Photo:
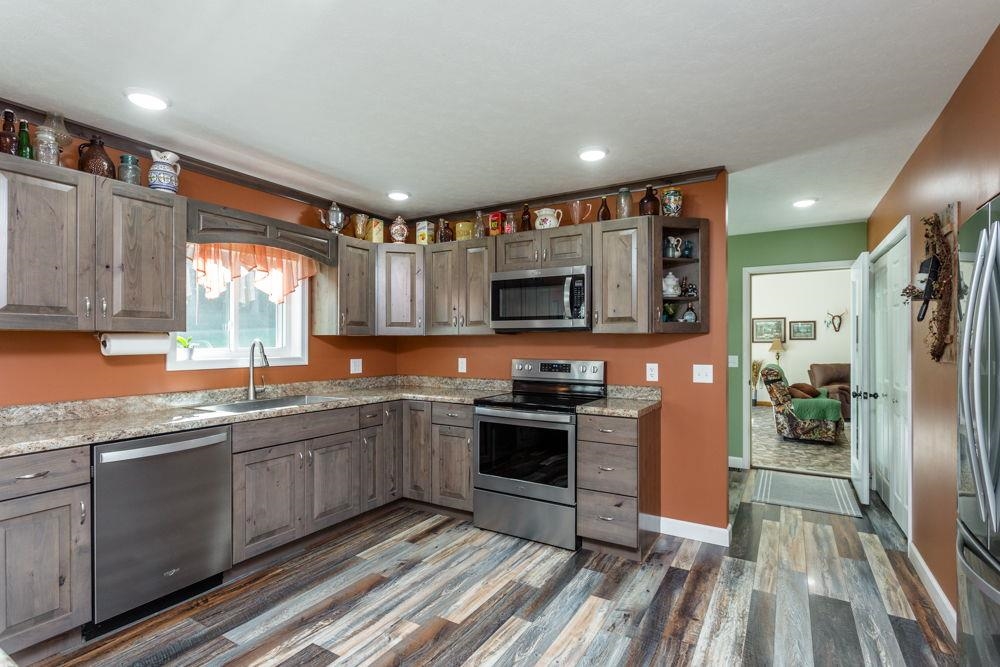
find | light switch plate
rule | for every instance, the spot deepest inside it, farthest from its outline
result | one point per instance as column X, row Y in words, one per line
column 462, row 365
column 652, row 372
column 355, row 365
column 703, row 374
column 734, row 361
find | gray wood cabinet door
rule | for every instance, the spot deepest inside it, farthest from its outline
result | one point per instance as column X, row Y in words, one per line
column 333, row 485
column 141, row 278
column 371, row 468
column 268, row 498
column 417, row 454
column 519, row 251
column 567, row 246
column 452, row 476
column 344, row 295
column 621, row 276
column 399, row 289
column 444, row 288
column 392, row 462
column 477, row 260
column 47, row 252
column 46, row 575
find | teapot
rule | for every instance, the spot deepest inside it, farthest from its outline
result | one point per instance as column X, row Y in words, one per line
column 165, row 172
column 332, row 219
column 547, row 218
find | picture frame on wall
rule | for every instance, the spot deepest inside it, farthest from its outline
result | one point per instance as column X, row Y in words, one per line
column 802, row 330
column 766, row 329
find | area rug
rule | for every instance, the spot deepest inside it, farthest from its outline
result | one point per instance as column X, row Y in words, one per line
column 824, row 494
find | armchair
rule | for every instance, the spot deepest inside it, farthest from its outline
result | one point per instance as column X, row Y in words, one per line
column 836, row 379
column 816, row 419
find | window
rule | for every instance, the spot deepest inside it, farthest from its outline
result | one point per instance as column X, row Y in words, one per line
column 220, row 330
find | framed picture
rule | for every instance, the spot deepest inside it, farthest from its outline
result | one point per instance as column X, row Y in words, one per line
column 802, row 330
column 766, row 329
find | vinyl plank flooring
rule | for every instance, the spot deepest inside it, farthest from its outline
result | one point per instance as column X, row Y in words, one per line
column 724, row 627
column 758, row 647
column 924, row 612
column 569, row 647
column 649, row 635
column 884, row 525
column 686, row 554
column 875, row 632
column 826, row 575
column 768, row 557
column 686, row 618
column 912, row 642
column 745, row 536
column 846, row 536
column 834, row 636
column 310, row 656
column 791, row 540
column 792, row 630
column 636, row 595
column 892, row 593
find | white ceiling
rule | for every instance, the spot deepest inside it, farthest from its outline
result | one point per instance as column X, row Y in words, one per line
column 465, row 103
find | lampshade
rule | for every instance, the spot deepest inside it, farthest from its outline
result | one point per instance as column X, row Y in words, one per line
column 776, row 346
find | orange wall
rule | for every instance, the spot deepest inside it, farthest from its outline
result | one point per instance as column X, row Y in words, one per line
column 958, row 160
column 693, row 419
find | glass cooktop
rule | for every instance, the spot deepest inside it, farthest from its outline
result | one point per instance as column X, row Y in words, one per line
column 550, row 402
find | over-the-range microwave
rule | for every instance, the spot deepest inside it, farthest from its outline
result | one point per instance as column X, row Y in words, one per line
column 538, row 299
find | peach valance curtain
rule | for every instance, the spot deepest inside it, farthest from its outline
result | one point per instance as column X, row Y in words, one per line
column 277, row 272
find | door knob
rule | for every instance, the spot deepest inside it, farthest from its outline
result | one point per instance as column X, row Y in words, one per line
column 874, row 394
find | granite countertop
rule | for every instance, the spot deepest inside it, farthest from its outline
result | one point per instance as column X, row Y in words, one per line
column 59, row 426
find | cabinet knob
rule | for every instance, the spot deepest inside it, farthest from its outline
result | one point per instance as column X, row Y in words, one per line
column 420, row 321
column 86, row 306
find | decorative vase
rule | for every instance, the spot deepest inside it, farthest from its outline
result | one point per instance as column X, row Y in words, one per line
column 165, row 172
column 671, row 286
column 672, row 200
column 624, row 203
column 94, row 159
column 398, row 230
column 649, row 204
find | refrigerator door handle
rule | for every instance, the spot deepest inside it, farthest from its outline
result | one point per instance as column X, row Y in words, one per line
column 986, row 291
column 984, row 587
column 964, row 380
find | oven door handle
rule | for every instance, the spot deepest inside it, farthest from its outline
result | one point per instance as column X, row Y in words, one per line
column 550, row 417
column 567, row 288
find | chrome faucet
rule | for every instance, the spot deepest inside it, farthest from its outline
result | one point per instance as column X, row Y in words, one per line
column 252, row 389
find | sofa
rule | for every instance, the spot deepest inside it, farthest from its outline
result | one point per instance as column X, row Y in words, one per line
column 808, row 419
column 836, row 379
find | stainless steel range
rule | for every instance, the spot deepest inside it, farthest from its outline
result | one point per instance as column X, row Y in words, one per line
column 524, row 462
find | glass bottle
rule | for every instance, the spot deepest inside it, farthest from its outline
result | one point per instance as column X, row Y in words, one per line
column 8, row 136
column 649, row 204
column 479, row 231
column 129, row 171
column 445, row 232
column 604, row 213
column 624, row 203
column 509, row 224
column 24, row 141
column 46, row 146
column 525, row 218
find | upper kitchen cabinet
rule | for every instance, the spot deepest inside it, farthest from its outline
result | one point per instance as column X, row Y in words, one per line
column 344, row 294
column 545, row 248
column 621, row 276
column 47, row 263
column 140, row 258
column 457, row 295
column 681, row 233
column 519, row 251
column 399, row 289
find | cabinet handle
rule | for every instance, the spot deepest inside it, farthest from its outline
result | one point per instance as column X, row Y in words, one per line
column 420, row 321
column 605, row 518
column 364, row 442
column 300, row 456
column 386, row 413
column 83, row 513
column 104, row 307
column 343, row 318
column 310, row 452
column 606, row 430
column 461, row 321
column 606, row 469
column 545, row 254
column 536, row 255
column 454, row 320
column 86, row 306
column 595, row 314
column 371, row 416
column 453, row 414
column 33, row 475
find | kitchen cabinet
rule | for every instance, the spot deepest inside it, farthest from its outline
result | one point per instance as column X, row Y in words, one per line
column 452, row 471
column 695, row 269
column 417, row 451
column 457, row 296
column 45, row 572
column 392, row 462
column 621, row 276
column 399, row 289
column 268, row 498
column 332, row 480
column 545, row 248
column 372, row 468
column 343, row 295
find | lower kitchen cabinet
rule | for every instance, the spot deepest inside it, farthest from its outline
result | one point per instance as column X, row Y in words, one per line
column 333, row 486
column 372, row 475
column 392, row 462
column 417, row 452
column 46, row 566
column 452, row 472
column 268, row 498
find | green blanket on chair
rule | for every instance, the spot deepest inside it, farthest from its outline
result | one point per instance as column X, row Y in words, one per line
column 816, row 408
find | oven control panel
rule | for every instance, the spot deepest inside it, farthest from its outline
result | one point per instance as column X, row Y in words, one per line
column 557, row 369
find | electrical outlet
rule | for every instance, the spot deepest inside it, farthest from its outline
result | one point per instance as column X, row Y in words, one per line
column 734, row 361
column 355, row 365
column 703, row 374
column 652, row 372
column 462, row 365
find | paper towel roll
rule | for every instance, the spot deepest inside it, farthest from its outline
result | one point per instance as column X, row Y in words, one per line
column 115, row 345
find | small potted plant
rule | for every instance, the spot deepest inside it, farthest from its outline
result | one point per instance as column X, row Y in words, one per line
column 184, row 348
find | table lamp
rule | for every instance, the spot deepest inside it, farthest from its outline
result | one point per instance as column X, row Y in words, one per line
column 777, row 348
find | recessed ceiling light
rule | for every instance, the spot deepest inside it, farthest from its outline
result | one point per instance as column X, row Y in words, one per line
column 146, row 100
column 398, row 196
column 593, row 154
column 804, row 203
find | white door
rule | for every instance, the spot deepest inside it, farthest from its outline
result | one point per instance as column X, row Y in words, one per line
column 860, row 322
column 879, row 378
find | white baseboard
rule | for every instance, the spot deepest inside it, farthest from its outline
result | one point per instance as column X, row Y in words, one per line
column 686, row 529
column 938, row 597
column 737, row 462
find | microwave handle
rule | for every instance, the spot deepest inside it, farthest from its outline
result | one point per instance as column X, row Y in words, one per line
column 567, row 290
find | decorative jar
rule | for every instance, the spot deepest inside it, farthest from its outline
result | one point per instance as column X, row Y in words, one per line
column 165, row 172
column 128, row 170
column 46, row 148
column 398, row 230
column 672, row 201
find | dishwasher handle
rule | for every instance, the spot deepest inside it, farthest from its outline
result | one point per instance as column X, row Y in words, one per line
column 168, row 448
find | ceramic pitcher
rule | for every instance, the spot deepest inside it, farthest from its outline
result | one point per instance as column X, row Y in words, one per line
column 546, row 218
column 165, row 172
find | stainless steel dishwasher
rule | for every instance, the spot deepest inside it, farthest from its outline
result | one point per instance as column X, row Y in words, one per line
column 162, row 516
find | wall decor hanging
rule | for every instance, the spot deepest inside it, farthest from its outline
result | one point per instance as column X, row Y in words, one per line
column 766, row 329
column 937, row 274
column 835, row 321
column 802, row 330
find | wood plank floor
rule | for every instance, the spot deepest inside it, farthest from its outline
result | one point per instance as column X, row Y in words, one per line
column 404, row 585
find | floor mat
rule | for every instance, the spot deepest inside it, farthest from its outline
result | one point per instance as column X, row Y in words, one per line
column 826, row 494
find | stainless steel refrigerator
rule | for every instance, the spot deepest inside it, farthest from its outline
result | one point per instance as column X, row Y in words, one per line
column 979, row 437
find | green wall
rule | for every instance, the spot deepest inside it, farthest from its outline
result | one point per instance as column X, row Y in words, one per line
column 796, row 246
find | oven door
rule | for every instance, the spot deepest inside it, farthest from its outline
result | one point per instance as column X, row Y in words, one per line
column 527, row 454
column 534, row 299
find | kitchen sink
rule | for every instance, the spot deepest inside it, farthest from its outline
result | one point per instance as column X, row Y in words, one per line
column 267, row 403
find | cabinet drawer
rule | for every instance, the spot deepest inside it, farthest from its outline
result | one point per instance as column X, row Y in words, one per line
column 370, row 415
column 45, row 471
column 609, row 468
column 616, row 430
column 452, row 414
column 279, row 430
column 607, row 517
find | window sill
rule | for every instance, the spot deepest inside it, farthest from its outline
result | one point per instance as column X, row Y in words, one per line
column 196, row 364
